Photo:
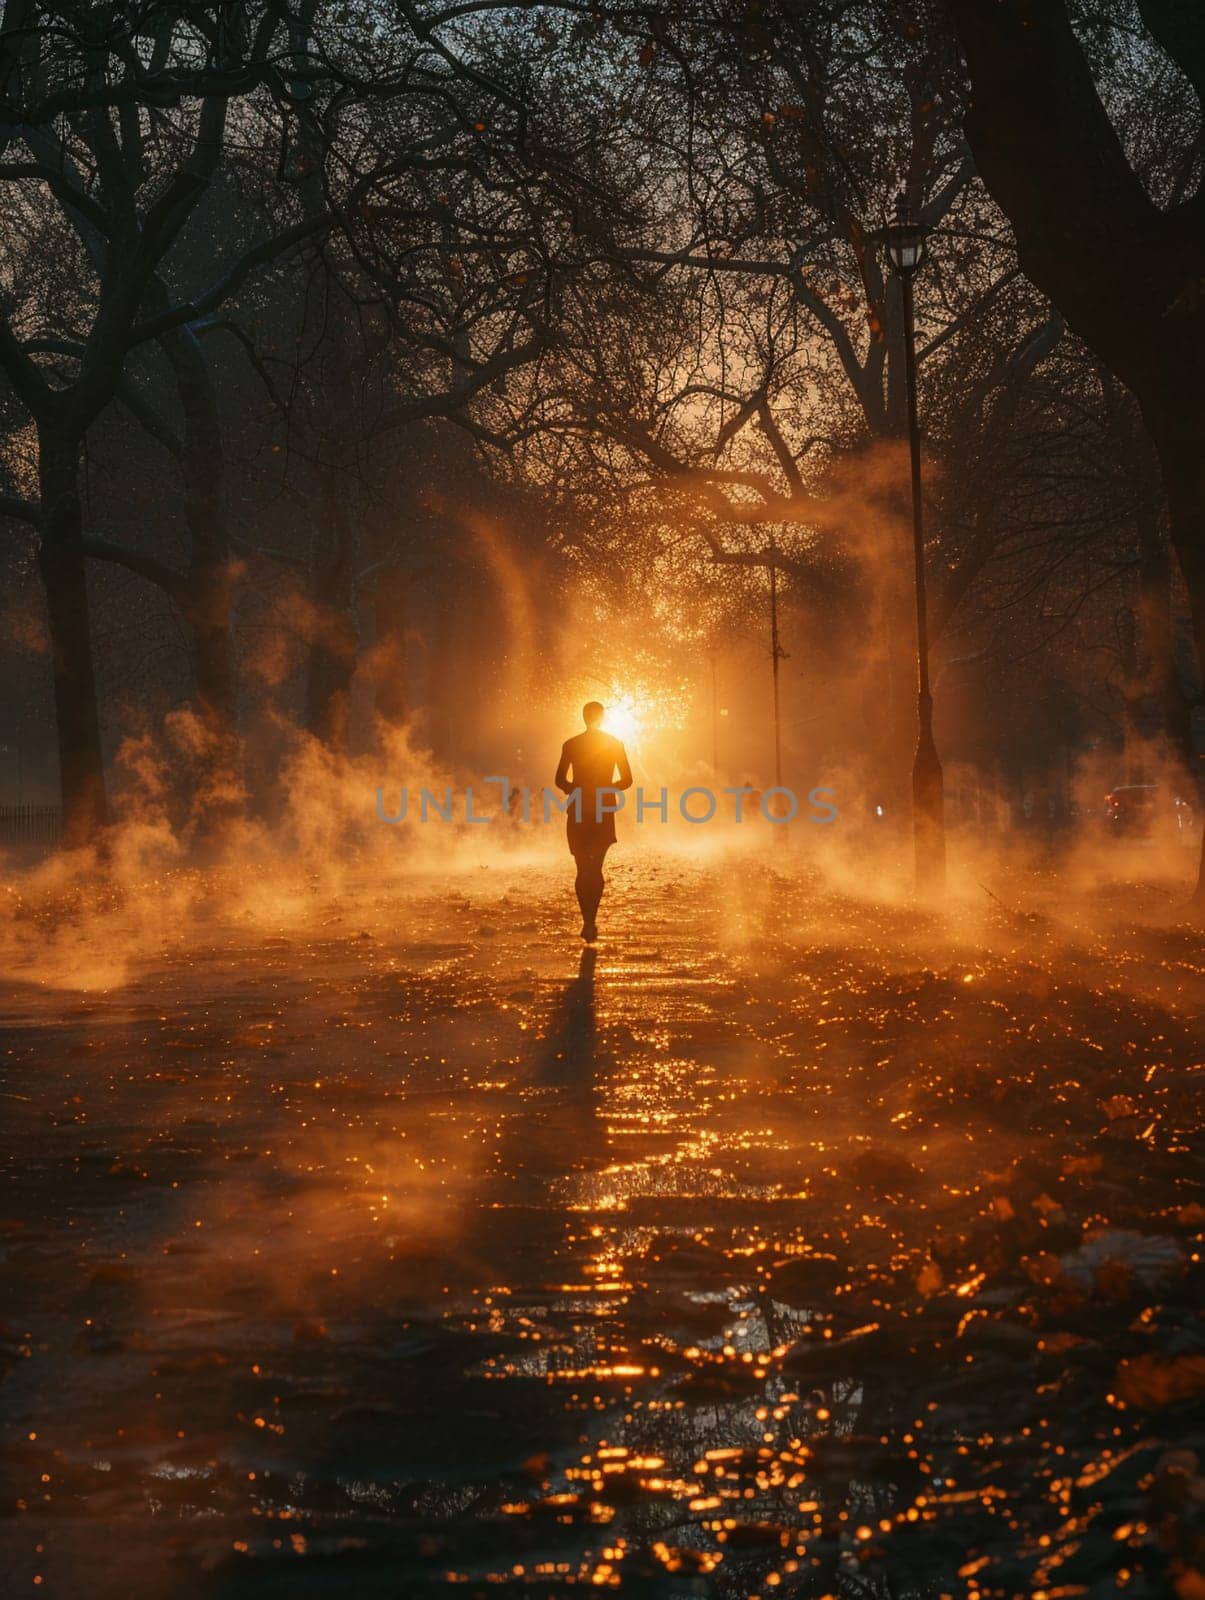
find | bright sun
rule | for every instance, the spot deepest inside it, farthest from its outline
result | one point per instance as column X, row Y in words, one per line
column 623, row 720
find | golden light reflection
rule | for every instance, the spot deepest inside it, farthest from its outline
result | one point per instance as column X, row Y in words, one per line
column 797, row 1309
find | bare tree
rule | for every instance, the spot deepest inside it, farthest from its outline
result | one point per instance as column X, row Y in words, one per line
column 1124, row 269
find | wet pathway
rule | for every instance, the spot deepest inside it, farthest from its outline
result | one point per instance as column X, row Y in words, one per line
column 784, row 1246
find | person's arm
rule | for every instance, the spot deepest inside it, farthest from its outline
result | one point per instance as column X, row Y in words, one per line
column 625, row 769
column 562, row 772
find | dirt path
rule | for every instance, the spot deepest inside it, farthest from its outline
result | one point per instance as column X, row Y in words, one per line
column 405, row 1249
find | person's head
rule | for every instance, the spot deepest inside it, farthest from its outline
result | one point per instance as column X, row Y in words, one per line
column 593, row 713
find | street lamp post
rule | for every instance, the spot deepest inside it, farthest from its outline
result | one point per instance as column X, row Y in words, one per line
column 905, row 236
column 776, row 654
column 715, row 717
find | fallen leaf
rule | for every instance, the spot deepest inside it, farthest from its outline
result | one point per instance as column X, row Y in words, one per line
column 1149, row 1259
column 1152, row 1381
column 930, row 1278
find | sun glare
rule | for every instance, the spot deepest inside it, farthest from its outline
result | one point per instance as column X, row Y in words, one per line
column 624, row 720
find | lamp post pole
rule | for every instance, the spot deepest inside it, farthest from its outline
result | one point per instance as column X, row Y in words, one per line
column 715, row 717
column 905, row 242
column 776, row 655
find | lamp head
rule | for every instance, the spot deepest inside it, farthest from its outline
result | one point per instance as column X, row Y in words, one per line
column 905, row 235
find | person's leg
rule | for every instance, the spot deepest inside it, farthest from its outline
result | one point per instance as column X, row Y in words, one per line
column 589, row 886
column 581, row 886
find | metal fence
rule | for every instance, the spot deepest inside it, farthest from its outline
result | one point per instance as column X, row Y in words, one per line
column 39, row 826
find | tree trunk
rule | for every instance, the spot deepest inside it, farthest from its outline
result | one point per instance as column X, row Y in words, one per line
column 1134, row 685
column 209, row 607
column 1181, row 446
column 335, row 641
column 208, row 615
column 330, row 670
column 442, row 714
column 1161, row 673
column 389, row 658
column 62, row 565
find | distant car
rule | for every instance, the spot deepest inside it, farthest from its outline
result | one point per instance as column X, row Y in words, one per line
column 1145, row 810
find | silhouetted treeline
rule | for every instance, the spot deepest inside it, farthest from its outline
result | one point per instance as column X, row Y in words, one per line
column 326, row 329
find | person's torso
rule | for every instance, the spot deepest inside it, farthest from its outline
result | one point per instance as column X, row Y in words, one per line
column 593, row 756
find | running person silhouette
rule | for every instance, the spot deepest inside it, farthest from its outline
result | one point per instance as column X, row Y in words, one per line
column 595, row 763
